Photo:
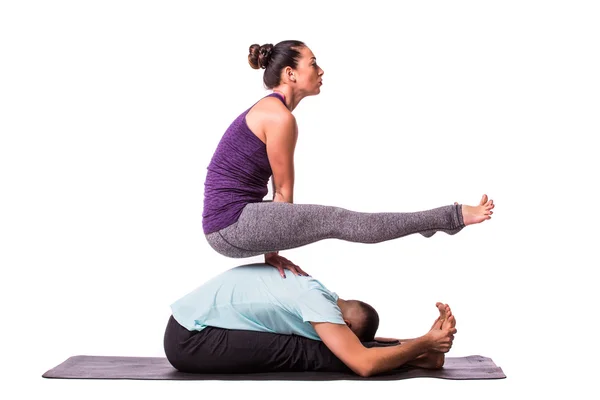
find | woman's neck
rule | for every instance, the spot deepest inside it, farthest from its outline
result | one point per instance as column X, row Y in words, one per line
column 287, row 99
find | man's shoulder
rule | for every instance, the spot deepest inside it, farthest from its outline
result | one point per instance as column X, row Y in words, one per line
column 250, row 269
column 315, row 285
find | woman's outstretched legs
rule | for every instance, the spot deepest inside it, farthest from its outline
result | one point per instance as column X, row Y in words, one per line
column 266, row 227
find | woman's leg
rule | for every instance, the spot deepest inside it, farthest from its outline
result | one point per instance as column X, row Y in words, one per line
column 216, row 350
column 267, row 226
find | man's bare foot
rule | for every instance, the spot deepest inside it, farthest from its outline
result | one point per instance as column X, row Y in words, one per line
column 429, row 360
column 437, row 324
column 449, row 321
column 476, row 214
column 434, row 359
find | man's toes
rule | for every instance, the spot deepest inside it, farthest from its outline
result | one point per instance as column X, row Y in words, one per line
column 452, row 321
column 484, row 200
column 442, row 309
column 448, row 313
column 449, row 322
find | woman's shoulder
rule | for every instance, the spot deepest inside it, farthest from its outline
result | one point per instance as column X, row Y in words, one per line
column 269, row 114
column 272, row 106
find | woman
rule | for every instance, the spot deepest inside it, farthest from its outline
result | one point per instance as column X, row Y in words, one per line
column 260, row 143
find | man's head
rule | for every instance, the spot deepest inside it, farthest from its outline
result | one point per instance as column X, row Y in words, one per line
column 360, row 317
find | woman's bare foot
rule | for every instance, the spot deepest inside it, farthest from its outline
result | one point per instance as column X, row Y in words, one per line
column 476, row 214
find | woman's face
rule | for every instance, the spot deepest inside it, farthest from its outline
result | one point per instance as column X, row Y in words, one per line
column 308, row 74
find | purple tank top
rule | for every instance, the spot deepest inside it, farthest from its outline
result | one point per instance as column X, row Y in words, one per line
column 238, row 174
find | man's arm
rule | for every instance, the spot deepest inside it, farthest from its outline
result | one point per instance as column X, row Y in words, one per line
column 371, row 361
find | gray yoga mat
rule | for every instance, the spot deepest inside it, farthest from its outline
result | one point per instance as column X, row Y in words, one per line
column 158, row 368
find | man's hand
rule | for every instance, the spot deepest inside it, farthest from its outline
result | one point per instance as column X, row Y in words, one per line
column 440, row 340
column 282, row 263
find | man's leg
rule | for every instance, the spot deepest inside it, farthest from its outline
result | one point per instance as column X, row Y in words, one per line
column 216, row 350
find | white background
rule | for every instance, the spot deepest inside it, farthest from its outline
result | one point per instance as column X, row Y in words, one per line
column 110, row 112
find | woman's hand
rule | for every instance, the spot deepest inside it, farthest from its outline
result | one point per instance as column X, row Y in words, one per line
column 282, row 263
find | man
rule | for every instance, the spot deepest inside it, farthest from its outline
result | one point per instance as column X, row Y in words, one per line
column 249, row 319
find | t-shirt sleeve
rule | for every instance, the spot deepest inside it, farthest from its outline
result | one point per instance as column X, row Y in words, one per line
column 319, row 305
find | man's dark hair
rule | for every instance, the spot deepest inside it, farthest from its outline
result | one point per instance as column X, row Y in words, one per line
column 366, row 331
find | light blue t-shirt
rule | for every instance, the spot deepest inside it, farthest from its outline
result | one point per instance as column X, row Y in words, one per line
column 255, row 297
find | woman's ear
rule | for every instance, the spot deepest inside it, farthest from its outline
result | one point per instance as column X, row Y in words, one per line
column 289, row 73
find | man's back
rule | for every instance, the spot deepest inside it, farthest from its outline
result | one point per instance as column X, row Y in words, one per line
column 255, row 297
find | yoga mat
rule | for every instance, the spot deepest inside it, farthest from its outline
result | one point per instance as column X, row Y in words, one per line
column 158, row 368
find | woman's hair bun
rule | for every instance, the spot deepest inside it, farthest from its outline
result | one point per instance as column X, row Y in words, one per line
column 259, row 56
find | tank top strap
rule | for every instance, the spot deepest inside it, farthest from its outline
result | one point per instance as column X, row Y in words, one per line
column 279, row 96
column 269, row 95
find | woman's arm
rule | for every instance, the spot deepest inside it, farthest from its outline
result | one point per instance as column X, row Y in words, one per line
column 281, row 136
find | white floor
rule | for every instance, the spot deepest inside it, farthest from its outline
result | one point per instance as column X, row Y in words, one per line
column 111, row 113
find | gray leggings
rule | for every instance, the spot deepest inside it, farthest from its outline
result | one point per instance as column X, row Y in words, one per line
column 268, row 226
